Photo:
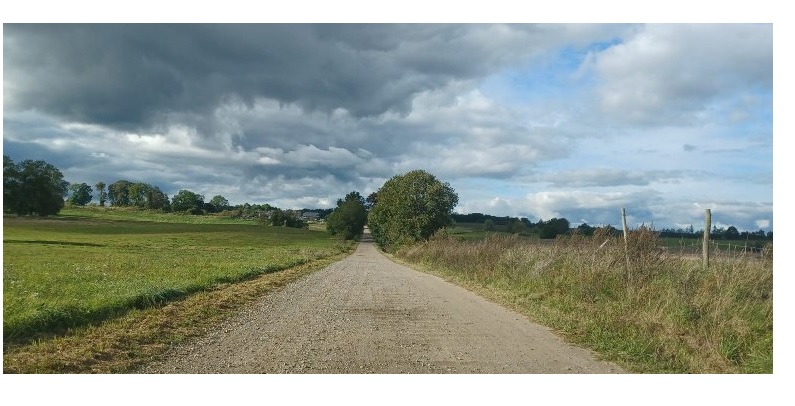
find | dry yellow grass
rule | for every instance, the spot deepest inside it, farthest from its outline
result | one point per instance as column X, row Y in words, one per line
column 661, row 314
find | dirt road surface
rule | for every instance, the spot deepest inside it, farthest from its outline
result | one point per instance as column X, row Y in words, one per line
column 367, row 314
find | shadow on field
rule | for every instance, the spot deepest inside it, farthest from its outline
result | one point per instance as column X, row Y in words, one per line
column 79, row 244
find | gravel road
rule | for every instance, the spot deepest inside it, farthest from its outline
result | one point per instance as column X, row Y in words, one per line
column 367, row 314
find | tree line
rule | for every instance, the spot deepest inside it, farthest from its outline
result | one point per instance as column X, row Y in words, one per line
column 407, row 208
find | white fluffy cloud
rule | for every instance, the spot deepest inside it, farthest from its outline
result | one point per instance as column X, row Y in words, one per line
column 675, row 72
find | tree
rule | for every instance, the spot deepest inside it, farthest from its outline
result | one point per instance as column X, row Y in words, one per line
column 372, row 198
column 554, row 228
column 348, row 218
column 103, row 196
column 118, row 193
column 33, row 187
column 352, row 196
column 731, row 233
column 219, row 203
column 586, row 230
column 411, row 208
column 138, row 194
column 517, row 227
column 157, row 199
column 187, row 201
column 81, row 194
column 11, row 182
column 285, row 218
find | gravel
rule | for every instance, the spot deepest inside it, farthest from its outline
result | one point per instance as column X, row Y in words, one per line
column 367, row 314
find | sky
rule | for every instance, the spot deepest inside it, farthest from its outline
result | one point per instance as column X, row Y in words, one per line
column 529, row 120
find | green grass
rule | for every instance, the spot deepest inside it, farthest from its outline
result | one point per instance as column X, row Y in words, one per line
column 87, row 266
column 476, row 231
column 140, row 215
column 669, row 314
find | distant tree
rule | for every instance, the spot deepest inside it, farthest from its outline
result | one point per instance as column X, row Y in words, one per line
column 585, row 229
column 372, row 198
column 187, row 201
column 554, row 228
column 81, row 194
column 33, row 187
column 11, row 183
column 103, row 196
column 731, row 233
column 516, row 227
column 353, row 196
column 411, row 208
column 349, row 218
column 219, row 203
column 157, row 199
column 118, row 193
column 285, row 218
column 137, row 194
column 488, row 225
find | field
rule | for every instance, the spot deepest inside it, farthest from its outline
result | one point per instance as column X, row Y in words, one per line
column 474, row 231
column 641, row 307
column 86, row 266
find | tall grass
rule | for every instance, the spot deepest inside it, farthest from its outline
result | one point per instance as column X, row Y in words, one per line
column 647, row 309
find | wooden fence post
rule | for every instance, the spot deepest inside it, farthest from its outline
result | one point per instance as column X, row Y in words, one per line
column 626, row 247
column 707, row 228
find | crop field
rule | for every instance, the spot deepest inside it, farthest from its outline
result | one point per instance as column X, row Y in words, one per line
column 87, row 266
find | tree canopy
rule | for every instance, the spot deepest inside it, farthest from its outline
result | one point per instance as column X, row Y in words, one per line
column 187, row 201
column 33, row 187
column 411, row 208
column 349, row 218
column 81, row 194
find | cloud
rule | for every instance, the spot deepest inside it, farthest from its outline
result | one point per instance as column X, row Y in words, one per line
column 127, row 76
column 673, row 72
column 535, row 120
column 645, row 207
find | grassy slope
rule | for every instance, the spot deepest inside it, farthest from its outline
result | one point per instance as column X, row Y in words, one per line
column 87, row 266
column 670, row 316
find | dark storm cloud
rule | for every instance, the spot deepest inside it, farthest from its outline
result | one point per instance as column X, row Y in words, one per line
column 133, row 75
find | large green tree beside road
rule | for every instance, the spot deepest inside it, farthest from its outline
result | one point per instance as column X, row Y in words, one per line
column 348, row 219
column 410, row 208
column 32, row 187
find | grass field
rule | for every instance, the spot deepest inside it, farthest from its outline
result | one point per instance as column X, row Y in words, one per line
column 87, row 266
column 474, row 231
column 649, row 311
